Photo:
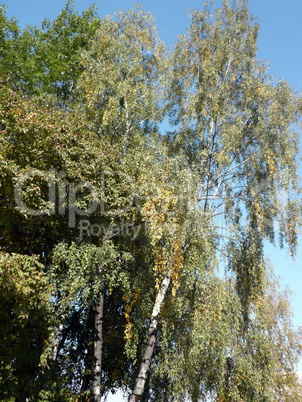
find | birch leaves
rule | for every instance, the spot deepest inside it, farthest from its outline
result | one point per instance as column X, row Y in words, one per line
column 122, row 80
column 162, row 203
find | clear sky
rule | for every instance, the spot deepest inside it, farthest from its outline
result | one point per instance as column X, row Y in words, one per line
column 280, row 35
column 280, row 42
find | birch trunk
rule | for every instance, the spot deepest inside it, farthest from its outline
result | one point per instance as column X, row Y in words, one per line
column 57, row 341
column 98, row 347
column 144, row 370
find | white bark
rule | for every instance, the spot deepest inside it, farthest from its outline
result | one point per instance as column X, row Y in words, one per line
column 98, row 347
column 57, row 341
column 152, row 334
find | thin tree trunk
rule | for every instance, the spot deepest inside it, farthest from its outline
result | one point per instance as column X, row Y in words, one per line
column 144, row 370
column 98, row 346
column 21, row 397
column 127, row 131
column 87, row 376
column 57, row 341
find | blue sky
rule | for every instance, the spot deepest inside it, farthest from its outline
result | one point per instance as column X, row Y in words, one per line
column 280, row 34
column 279, row 43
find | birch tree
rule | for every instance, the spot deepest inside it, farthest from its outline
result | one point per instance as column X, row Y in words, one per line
column 234, row 128
column 123, row 79
column 147, row 308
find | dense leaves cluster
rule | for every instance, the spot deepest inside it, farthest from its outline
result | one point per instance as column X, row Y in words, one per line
column 115, row 228
column 25, row 322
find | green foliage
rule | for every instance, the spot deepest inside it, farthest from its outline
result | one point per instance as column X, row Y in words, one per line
column 40, row 149
column 225, row 108
column 45, row 61
column 81, row 104
column 123, row 77
column 79, row 271
column 25, row 328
